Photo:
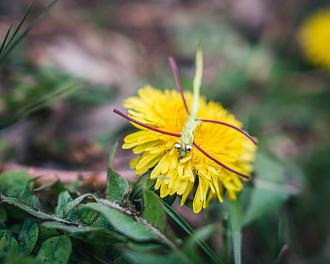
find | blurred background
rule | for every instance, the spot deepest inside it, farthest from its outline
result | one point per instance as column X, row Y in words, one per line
column 59, row 86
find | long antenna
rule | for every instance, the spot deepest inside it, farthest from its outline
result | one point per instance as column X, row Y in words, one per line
column 145, row 125
column 177, row 81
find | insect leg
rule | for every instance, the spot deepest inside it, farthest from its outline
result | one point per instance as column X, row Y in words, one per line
column 220, row 163
column 231, row 126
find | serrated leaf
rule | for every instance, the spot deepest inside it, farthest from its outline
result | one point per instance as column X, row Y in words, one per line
column 123, row 223
column 117, row 186
column 153, row 210
column 55, row 250
column 62, row 201
column 28, row 236
column 8, row 243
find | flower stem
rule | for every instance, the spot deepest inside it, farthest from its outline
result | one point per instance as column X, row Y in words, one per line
column 197, row 81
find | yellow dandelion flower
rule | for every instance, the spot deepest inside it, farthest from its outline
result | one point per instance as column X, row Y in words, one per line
column 314, row 36
column 186, row 141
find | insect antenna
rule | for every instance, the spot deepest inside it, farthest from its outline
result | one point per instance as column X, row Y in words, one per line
column 231, row 126
column 220, row 163
column 178, row 82
column 145, row 125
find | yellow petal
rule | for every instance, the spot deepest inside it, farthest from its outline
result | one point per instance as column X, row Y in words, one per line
column 189, row 187
column 134, row 162
column 146, row 159
column 198, row 202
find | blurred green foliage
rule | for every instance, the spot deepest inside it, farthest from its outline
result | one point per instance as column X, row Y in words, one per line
column 281, row 216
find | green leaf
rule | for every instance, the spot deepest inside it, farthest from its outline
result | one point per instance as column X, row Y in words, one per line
column 190, row 246
column 71, row 205
column 263, row 201
column 178, row 219
column 18, row 259
column 117, row 186
column 143, row 183
column 13, row 183
column 268, row 168
column 93, row 235
column 55, row 250
column 188, row 229
column 29, row 197
column 123, row 223
column 15, row 202
column 38, row 214
column 269, row 192
column 62, row 200
column 28, row 236
column 8, row 243
column 151, row 258
column 87, row 216
column 153, row 210
column 71, row 229
column 45, row 233
column 3, row 215
column 234, row 209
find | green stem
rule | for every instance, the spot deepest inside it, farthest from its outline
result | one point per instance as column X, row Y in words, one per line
column 197, row 82
column 234, row 209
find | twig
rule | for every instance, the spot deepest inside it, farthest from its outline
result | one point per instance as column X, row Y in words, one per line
column 45, row 176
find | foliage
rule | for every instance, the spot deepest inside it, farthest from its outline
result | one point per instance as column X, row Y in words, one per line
column 283, row 100
column 111, row 226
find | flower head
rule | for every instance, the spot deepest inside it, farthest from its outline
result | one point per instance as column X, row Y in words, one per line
column 187, row 147
column 314, row 36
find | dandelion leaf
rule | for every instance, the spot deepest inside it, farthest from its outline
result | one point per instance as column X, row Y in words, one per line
column 117, row 186
column 55, row 250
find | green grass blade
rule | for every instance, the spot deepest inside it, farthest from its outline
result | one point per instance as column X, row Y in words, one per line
column 5, row 39
column 41, row 103
column 234, row 209
column 17, row 38
column 189, row 230
column 28, row 11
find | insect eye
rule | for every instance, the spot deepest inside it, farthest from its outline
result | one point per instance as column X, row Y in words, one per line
column 177, row 146
column 188, row 148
